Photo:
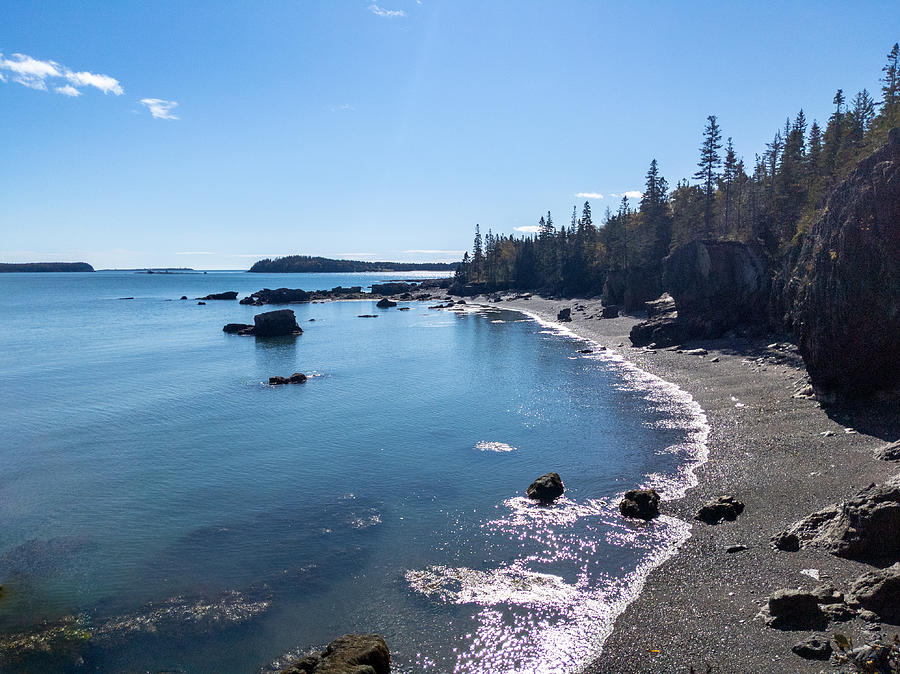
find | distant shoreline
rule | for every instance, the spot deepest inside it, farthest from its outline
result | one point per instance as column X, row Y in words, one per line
column 11, row 267
column 295, row 264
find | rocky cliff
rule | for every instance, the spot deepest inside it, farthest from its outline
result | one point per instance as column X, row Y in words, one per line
column 843, row 296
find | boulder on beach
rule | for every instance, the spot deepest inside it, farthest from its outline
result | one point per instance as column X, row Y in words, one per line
column 661, row 327
column 723, row 508
column 230, row 295
column 564, row 315
column 276, row 323
column 813, row 648
column 795, row 609
column 611, row 311
column 349, row 654
column 640, row 503
column 385, row 303
column 236, row 328
column 547, row 488
column 863, row 528
column 878, row 591
column 296, row 378
column 889, row 452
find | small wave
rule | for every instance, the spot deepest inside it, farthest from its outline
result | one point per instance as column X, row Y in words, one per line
column 486, row 446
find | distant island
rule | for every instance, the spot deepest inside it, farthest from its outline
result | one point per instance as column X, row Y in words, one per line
column 298, row 264
column 45, row 266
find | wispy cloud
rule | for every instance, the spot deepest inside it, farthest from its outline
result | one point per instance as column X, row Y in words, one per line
column 389, row 13
column 34, row 74
column 631, row 194
column 159, row 108
column 195, row 252
column 343, row 107
column 68, row 90
column 531, row 229
column 589, row 195
column 431, row 251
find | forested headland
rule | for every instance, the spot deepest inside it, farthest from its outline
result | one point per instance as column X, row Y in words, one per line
column 305, row 264
column 45, row 266
column 768, row 202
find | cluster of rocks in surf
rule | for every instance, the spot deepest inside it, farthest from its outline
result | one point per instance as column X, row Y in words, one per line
column 348, row 654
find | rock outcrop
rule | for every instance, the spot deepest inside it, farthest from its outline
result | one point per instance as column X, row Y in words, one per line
column 879, row 591
column 889, row 452
column 278, row 296
column 385, row 303
column 640, row 503
column 276, row 324
column 662, row 326
column 230, row 295
column 867, row 527
column 547, row 488
column 393, row 288
column 610, row 311
column 349, row 654
column 564, row 315
column 723, row 508
column 842, row 298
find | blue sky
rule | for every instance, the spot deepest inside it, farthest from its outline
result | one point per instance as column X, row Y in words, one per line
column 210, row 133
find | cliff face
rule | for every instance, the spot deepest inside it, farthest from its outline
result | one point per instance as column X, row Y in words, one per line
column 843, row 297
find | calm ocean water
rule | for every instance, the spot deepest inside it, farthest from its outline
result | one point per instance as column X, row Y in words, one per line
column 164, row 509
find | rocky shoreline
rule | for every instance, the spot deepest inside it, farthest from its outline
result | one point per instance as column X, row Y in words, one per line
column 782, row 455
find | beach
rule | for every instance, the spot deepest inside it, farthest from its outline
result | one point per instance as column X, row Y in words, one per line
column 700, row 610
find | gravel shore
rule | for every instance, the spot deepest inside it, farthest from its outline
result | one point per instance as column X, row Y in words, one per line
column 699, row 610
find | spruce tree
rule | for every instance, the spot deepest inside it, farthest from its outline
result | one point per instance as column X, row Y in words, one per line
column 709, row 162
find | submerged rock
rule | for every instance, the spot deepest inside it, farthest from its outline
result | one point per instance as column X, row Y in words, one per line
column 385, row 303
column 236, row 328
column 879, row 591
column 230, row 295
column 368, row 316
column 276, row 323
column 349, row 654
column 864, row 528
column 640, row 503
column 296, row 378
column 547, row 488
column 723, row 508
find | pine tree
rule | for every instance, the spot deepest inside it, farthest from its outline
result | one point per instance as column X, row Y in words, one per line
column 729, row 174
column 709, row 162
column 477, row 256
column 890, row 89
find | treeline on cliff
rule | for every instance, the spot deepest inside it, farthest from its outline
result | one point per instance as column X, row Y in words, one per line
column 306, row 264
column 769, row 203
column 45, row 266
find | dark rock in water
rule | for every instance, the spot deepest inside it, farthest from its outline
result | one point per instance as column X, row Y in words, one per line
column 564, row 315
column 585, row 351
column 279, row 296
column 183, row 297
column 867, row 527
column 394, row 288
column 368, row 316
column 723, row 508
column 385, row 303
column 276, row 324
column 296, row 378
column 126, row 298
column 640, row 503
column 312, row 320
column 252, row 301
column 230, row 295
column 547, row 488
column 349, row 654
column 611, row 311
column 235, row 328
column 404, row 309
column 795, row 609
column 352, row 290
column 842, row 298
column 878, row 591
column 813, row 648
column 202, row 303
column 889, row 452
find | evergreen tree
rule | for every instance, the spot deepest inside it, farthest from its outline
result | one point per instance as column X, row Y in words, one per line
column 709, row 162
column 890, row 88
column 729, row 175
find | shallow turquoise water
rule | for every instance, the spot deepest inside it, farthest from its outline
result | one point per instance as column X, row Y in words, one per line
column 190, row 517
